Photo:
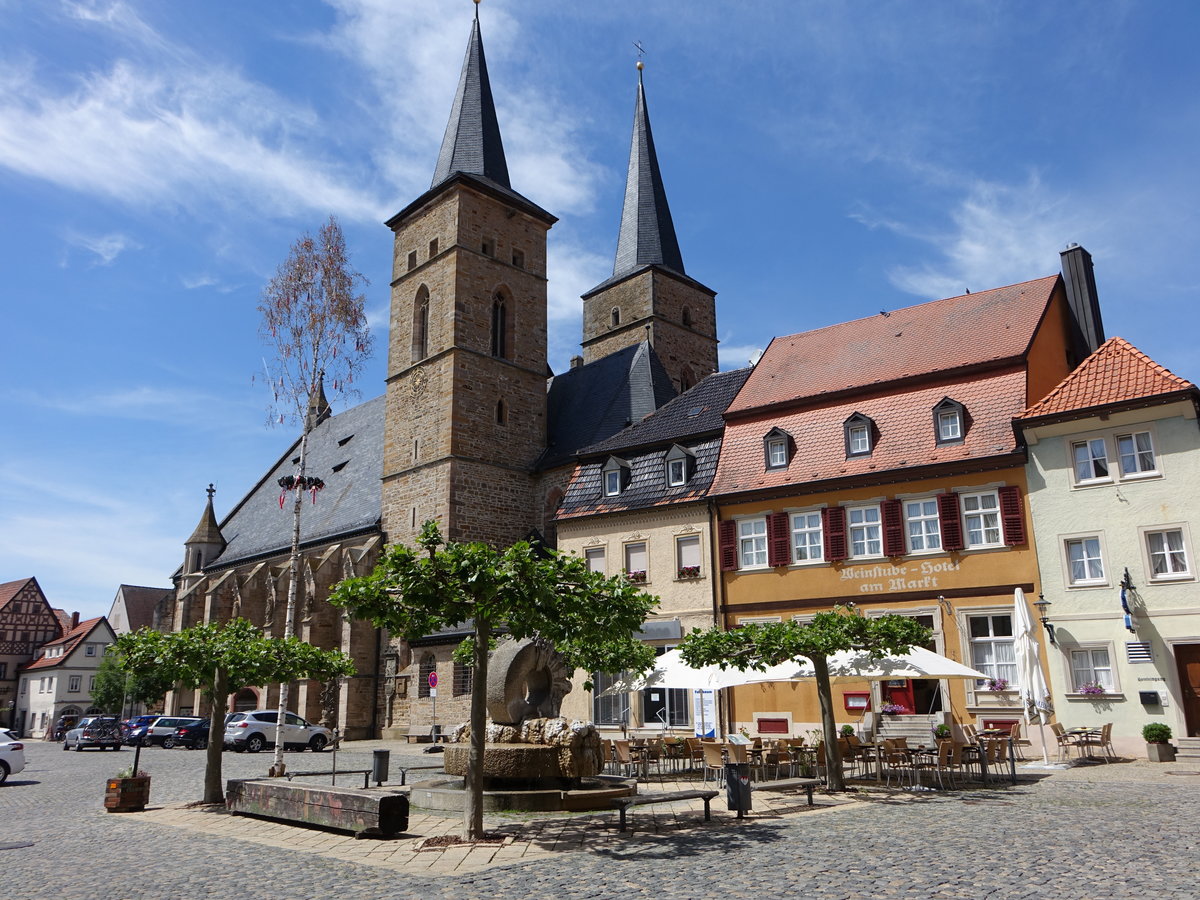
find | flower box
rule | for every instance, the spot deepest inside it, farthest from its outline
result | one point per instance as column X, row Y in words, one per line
column 689, row 572
column 636, row 577
column 127, row 794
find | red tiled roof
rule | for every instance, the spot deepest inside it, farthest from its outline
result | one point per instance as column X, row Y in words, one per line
column 904, row 420
column 10, row 589
column 1117, row 372
column 934, row 337
column 68, row 642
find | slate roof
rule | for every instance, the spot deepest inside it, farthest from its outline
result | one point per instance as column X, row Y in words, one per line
column 140, row 603
column 352, row 442
column 921, row 340
column 69, row 641
column 591, row 403
column 10, row 589
column 903, row 416
column 1117, row 372
column 693, row 420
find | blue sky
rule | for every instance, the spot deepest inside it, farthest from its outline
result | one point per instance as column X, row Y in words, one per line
column 823, row 161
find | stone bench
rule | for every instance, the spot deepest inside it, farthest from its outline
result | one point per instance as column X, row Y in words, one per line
column 625, row 803
column 363, row 812
column 789, row 784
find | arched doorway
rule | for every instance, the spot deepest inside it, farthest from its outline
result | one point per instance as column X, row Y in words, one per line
column 245, row 700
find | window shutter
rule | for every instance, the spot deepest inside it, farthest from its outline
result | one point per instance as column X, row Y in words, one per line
column 727, row 538
column 951, row 524
column 893, row 528
column 833, row 529
column 779, row 551
column 1012, row 515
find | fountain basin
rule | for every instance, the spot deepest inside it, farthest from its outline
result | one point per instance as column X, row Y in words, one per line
column 593, row 792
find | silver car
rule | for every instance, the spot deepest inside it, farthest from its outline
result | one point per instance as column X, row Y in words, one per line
column 94, row 731
column 254, row 731
column 12, row 755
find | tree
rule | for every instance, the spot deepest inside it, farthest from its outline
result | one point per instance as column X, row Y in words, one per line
column 222, row 659
column 115, row 688
column 589, row 619
column 314, row 320
column 759, row 646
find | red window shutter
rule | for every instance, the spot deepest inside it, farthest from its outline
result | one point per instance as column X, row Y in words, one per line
column 1012, row 515
column 833, row 529
column 779, row 551
column 727, row 541
column 893, row 528
column 950, row 522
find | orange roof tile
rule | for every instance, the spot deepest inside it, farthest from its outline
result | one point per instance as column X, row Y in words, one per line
column 1117, row 372
column 10, row 589
column 940, row 336
column 904, row 419
column 68, row 642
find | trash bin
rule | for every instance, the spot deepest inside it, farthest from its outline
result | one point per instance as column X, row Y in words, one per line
column 737, row 787
column 379, row 766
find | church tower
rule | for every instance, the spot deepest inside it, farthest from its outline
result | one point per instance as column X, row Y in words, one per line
column 466, row 386
column 649, row 294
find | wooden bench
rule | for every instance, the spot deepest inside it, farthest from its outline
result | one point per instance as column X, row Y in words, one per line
column 789, row 784
column 363, row 812
column 625, row 803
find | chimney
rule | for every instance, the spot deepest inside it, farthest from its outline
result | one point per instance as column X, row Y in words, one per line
column 1079, row 278
column 576, row 362
column 74, row 620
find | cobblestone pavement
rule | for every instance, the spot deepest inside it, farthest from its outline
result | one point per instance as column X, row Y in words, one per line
column 1102, row 831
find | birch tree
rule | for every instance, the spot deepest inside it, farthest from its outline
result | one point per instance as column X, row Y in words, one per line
column 313, row 320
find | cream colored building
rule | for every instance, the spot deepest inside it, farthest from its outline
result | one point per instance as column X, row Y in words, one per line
column 1114, row 479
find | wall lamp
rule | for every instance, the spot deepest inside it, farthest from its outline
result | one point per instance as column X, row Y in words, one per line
column 1042, row 604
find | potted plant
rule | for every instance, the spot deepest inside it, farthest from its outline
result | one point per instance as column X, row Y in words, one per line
column 129, row 791
column 1096, row 689
column 1158, row 747
column 997, row 685
column 847, row 730
column 941, row 732
column 893, row 709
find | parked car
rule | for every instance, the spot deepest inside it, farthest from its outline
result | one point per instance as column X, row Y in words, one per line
column 193, row 736
column 254, row 731
column 12, row 755
column 94, row 731
column 138, row 724
column 161, row 730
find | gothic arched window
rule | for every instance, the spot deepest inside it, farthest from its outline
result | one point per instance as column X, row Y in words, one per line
column 616, row 316
column 499, row 327
column 420, row 326
column 687, row 317
column 501, row 413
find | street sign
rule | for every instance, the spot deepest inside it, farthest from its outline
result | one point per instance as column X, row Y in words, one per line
column 433, row 679
column 433, row 693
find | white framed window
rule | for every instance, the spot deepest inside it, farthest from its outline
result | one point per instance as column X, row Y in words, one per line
column 858, row 439
column 74, row 684
column 676, row 472
column 922, row 525
column 949, row 426
column 1084, row 560
column 758, row 620
column 865, row 528
column 776, row 453
column 981, row 519
column 752, row 543
column 992, row 650
column 1166, row 553
column 807, row 538
column 91, row 684
column 609, row 709
column 612, row 482
column 594, row 556
column 637, row 562
column 1090, row 458
column 1092, row 666
column 90, row 650
column 687, row 555
column 1136, row 454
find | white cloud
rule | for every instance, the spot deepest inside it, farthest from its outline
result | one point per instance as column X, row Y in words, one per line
column 737, row 356
column 142, row 403
column 107, row 246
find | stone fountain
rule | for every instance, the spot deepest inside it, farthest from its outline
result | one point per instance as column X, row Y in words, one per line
column 533, row 759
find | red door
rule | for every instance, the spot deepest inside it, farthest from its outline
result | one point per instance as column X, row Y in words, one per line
column 1187, row 657
column 901, row 694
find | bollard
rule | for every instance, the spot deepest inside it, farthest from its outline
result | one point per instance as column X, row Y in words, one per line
column 379, row 766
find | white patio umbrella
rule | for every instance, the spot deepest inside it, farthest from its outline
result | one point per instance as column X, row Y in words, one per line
column 859, row 665
column 1035, row 696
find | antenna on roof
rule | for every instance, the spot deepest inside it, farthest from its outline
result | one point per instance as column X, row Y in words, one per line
column 885, row 313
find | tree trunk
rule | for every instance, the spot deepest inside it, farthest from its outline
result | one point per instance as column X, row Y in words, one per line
column 213, row 791
column 473, row 784
column 289, row 623
column 833, row 766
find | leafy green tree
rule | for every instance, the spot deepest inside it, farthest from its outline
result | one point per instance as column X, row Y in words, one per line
column 589, row 619
column 116, row 689
column 759, row 646
column 222, row 659
column 314, row 321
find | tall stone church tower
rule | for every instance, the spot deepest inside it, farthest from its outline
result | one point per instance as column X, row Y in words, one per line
column 650, row 296
column 466, row 386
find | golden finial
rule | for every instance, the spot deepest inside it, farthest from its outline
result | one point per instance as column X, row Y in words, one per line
column 640, row 65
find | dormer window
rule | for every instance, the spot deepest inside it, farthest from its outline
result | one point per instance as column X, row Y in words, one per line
column 777, row 448
column 680, row 463
column 859, row 434
column 615, row 476
column 949, row 422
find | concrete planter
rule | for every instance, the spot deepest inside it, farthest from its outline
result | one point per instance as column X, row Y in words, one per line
column 1160, row 752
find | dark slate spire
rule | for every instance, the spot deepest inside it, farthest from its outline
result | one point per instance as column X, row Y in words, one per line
column 647, row 232
column 318, row 406
column 207, row 530
column 472, row 142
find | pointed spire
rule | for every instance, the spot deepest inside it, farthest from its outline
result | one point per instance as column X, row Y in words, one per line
column 207, row 531
column 472, row 142
column 647, row 232
column 318, row 406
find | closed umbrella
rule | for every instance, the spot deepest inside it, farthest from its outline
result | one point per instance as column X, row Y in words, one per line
column 1035, row 695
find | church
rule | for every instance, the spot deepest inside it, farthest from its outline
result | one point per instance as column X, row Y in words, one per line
column 473, row 429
